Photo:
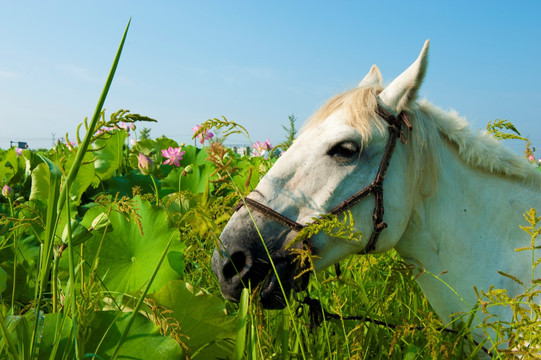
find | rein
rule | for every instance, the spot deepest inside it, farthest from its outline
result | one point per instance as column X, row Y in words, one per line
column 318, row 315
column 375, row 188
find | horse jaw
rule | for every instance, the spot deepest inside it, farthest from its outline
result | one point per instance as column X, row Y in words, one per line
column 403, row 90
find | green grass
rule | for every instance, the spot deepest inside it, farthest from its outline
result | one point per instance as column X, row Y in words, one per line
column 100, row 261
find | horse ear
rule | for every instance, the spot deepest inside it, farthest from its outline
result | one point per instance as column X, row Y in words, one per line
column 403, row 90
column 373, row 78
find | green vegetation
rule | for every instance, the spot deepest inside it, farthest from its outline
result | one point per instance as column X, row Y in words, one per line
column 105, row 253
column 144, row 134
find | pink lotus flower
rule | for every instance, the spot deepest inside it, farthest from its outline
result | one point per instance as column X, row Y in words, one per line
column 205, row 134
column 145, row 164
column 126, row 126
column 19, row 151
column 173, row 155
column 260, row 149
column 531, row 158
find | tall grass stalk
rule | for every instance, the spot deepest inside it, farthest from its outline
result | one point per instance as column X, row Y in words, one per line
column 48, row 242
column 242, row 324
column 15, row 251
column 57, row 198
column 72, row 284
column 81, row 151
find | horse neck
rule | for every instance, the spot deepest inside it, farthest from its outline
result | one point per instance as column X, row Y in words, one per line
column 468, row 230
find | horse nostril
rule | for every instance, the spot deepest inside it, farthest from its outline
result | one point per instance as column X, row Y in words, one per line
column 234, row 265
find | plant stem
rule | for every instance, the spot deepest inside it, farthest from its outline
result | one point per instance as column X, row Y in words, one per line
column 54, row 273
column 242, row 323
column 73, row 283
column 97, row 112
column 15, row 250
column 155, row 189
column 54, row 199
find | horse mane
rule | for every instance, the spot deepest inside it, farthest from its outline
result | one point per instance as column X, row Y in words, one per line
column 479, row 150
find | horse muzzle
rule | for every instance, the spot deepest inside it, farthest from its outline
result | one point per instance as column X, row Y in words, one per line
column 244, row 260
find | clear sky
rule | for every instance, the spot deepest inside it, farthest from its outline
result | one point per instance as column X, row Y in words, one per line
column 257, row 62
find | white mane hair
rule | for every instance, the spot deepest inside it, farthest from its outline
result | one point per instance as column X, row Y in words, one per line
column 430, row 127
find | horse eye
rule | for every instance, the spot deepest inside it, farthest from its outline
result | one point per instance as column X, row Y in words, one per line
column 344, row 150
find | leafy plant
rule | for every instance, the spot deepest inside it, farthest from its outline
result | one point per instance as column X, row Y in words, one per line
column 144, row 134
column 103, row 256
column 291, row 133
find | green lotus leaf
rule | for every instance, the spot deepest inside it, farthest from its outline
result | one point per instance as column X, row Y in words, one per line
column 145, row 146
column 40, row 184
column 210, row 332
column 39, row 194
column 6, row 170
column 243, row 165
column 195, row 182
column 3, row 280
column 27, row 263
column 110, row 156
column 40, row 181
column 194, row 155
column 164, row 143
column 123, row 185
column 152, row 149
column 197, row 178
column 20, row 328
column 131, row 251
column 84, row 178
column 144, row 340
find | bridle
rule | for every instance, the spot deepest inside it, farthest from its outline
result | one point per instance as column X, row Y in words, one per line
column 316, row 310
column 395, row 123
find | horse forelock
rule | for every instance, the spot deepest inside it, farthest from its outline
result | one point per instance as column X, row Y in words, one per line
column 360, row 106
column 431, row 126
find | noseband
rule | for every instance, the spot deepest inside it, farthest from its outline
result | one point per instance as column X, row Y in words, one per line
column 375, row 188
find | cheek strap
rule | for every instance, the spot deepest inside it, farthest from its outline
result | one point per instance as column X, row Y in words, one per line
column 375, row 188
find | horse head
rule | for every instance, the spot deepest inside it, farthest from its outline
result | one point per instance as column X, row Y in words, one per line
column 338, row 152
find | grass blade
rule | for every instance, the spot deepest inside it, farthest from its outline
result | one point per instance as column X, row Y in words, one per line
column 56, row 201
column 55, row 176
column 242, row 324
column 91, row 128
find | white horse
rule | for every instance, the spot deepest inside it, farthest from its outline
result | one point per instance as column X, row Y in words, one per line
column 454, row 198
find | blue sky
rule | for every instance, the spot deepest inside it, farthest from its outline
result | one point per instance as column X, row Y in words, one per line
column 258, row 62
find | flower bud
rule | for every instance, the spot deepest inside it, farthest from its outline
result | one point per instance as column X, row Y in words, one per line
column 187, row 170
column 145, row 164
column 7, row 192
column 101, row 222
column 79, row 234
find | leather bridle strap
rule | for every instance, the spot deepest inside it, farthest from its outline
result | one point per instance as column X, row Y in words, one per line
column 268, row 212
column 375, row 188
